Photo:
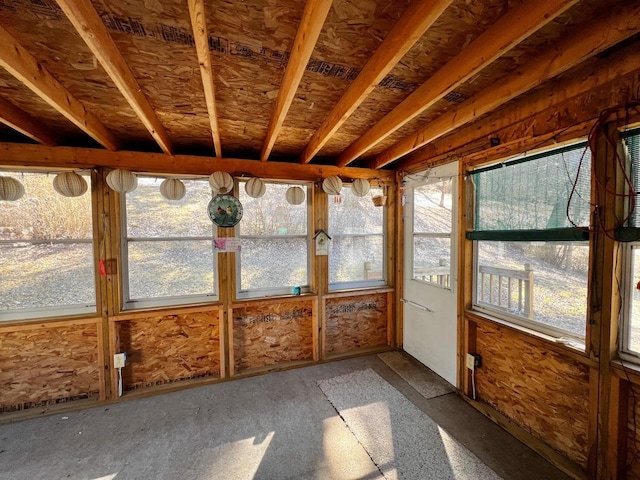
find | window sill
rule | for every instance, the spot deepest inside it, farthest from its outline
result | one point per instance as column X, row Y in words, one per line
column 273, row 299
column 626, row 370
column 355, row 286
column 45, row 314
column 48, row 322
column 358, row 291
column 167, row 309
column 554, row 343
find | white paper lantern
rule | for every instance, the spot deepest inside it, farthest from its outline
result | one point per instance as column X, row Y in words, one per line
column 255, row 188
column 295, row 195
column 69, row 184
column 332, row 185
column 360, row 187
column 221, row 182
column 173, row 189
column 10, row 189
column 122, row 181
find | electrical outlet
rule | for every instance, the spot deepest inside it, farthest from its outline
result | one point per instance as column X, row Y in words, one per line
column 119, row 360
column 471, row 362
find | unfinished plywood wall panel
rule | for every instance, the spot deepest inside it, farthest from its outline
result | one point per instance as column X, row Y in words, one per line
column 272, row 333
column 543, row 391
column 43, row 29
column 633, row 433
column 357, row 322
column 47, row 364
column 167, row 348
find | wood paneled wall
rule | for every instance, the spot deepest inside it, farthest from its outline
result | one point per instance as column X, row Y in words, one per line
column 353, row 324
column 168, row 347
column 543, row 391
column 50, row 363
column 270, row 333
column 632, row 430
column 578, row 408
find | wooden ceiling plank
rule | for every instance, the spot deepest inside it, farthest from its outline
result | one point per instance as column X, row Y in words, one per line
column 92, row 30
column 602, row 72
column 201, row 37
column 32, row 156
column 22, row 65
column 508, row 31
column 415, row 21
column 24, row 123
column 313, row 18
column 582, row 44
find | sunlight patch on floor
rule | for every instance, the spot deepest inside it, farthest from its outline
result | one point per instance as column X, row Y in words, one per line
column 343, row 456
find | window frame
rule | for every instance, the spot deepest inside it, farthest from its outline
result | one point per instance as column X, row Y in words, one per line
column 129, row 303
column 47, row 312
column 530, row 324
column 361, row 284
column 625, row 322
column 449, row 235
column 280, row 291
column 627, row 283
column 505, row 316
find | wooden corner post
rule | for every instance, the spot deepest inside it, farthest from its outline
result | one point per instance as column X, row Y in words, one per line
column 607, row 190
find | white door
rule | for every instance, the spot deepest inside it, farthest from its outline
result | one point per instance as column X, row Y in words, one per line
column 430, row 283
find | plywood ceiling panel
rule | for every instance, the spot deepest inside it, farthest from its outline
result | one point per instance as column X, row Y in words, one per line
column 250, row 43
column 156, row 41
column 458, row 26
column 42, row 28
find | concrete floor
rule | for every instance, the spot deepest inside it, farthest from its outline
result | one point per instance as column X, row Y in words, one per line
column 276, row 426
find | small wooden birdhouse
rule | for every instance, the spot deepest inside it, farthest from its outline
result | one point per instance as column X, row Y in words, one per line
column 322, row 242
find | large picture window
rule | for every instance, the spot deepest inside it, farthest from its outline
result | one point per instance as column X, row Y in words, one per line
column 531, row 256
column 357, row 250
column 630, row 331
column 168, row 247
column 46, row 251
column 275, row 242
column 631, row 328
column 432, row 225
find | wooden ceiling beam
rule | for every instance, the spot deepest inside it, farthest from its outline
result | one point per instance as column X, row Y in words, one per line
column 415, row 21
column 583, row 43
column 89, row 26
column 24, row 123
column 553, row 136
column 313, row 17
column 22, row 65
column 591, row 76
column 201, row 37
column 32, row 156
column 508, row 31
